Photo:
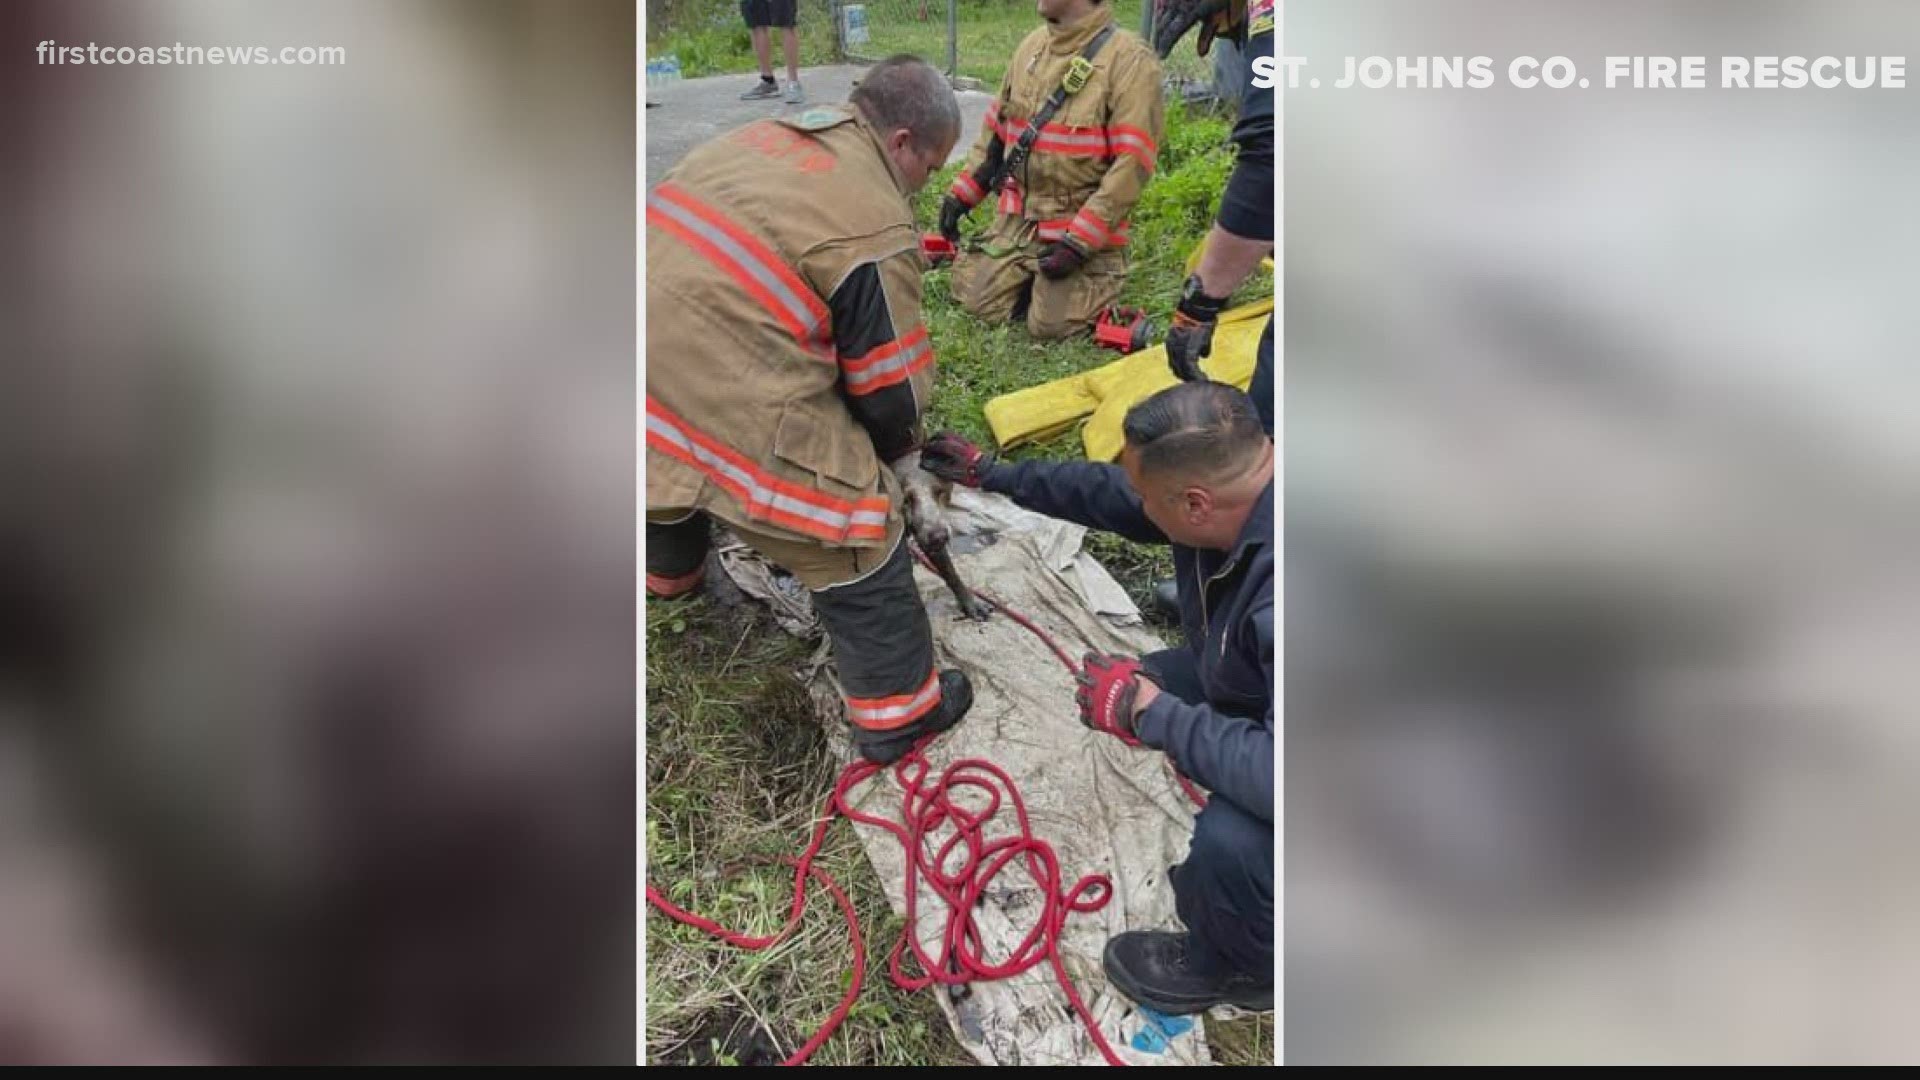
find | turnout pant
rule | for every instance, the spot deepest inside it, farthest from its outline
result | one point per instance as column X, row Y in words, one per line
column 866, row 598
column 1223, row 892
column 999, row 280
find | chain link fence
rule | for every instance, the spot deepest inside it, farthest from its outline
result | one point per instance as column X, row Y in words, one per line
column 973, row 40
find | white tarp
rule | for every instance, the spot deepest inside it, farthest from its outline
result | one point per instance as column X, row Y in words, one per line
column 1104, row 808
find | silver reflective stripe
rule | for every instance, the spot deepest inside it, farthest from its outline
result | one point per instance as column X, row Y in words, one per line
column 900, row 361
column 755, row 266
column 920, row 702
column 1134, row 141
column 762, row 494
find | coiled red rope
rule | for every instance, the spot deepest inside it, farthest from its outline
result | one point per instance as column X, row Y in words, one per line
column 959, row 870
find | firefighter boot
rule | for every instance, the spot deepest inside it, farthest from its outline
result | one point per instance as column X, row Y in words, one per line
column 1166, row 600
column 887, row 747
column 1159, row 969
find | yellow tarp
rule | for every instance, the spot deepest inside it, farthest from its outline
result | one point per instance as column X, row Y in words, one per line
column 1105, row 393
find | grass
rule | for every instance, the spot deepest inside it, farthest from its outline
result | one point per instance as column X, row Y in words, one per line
column 710, row 38
column 980, row 362
column 737, row 768
column 736, row 771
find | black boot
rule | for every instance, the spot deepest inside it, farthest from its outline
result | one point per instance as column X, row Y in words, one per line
column 1152, row 968
column 887, row 747
column 1166, row 600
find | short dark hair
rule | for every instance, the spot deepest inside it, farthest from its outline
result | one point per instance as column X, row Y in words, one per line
column 904, row 91
column 1203, row 430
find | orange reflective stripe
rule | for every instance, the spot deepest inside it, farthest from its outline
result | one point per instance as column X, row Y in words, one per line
column 750, row 263
column 669, row 587
column 1089, row 228
column 1099, row 142
column 1133, row 141
column 1054, row 230
column 888, row 713
column 894, row 362
column 764, row 496
column 967, row 189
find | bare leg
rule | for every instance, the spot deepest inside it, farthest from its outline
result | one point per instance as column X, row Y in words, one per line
column 793, row 54
column 763, row 50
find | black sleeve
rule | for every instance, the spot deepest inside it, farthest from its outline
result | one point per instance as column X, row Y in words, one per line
column 878, row 364
column 1228, row 755
column 1090, row 493
column 1246, row 209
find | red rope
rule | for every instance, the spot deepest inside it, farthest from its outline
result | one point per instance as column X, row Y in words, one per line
column 1193, row 793
column 927, row 811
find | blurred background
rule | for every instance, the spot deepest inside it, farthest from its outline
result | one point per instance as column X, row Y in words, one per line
column 317, row 652
column 1602, row 462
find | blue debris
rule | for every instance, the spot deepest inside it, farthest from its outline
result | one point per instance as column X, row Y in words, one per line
column 1153, row 1036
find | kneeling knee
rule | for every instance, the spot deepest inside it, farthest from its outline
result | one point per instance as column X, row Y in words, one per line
column 1054, row 330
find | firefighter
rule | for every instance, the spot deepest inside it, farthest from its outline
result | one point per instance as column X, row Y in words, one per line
column 1242, row 232
column 1197, row 474
column 1055, row 255
column 787, row 372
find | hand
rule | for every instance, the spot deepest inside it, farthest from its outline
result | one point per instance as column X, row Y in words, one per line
column 1188, row 343
column 1108, row 695
column 951, row 214
column 1060, row 259
column 1173, row 18
column 1190, row 339
column 956, row 459
column 924, row 502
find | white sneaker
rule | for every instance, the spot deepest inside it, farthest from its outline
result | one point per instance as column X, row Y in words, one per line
column 794, row 96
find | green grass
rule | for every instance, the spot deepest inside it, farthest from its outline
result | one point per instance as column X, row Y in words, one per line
column 737, row 767
column 736, row 770
column 710, row 38
column 980, row 362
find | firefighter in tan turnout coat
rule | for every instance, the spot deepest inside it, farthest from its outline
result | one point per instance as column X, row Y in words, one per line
column 787, row 371
column 1055, row 255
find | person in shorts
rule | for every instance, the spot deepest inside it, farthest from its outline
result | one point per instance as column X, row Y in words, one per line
column 761, row 16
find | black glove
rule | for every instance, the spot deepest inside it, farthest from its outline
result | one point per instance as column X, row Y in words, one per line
column 1173, row 18
column 1191, row 338
column 1060, row 259
column 956, row 459
column 951, row 214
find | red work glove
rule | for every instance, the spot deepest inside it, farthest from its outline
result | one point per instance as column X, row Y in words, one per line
column 1108, row 687
column 955, row 459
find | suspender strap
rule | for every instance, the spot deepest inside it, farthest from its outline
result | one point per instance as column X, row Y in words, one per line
column 1075, row 78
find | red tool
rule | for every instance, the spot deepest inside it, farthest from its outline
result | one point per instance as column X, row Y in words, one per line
column 1123, row 329
column 938, row 249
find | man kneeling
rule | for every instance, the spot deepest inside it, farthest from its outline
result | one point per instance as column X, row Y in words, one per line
column 1196, row 474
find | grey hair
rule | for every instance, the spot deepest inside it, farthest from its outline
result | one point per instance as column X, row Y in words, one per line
column 904, row 91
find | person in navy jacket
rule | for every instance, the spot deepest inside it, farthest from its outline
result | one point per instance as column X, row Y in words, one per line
column 1197, row 474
